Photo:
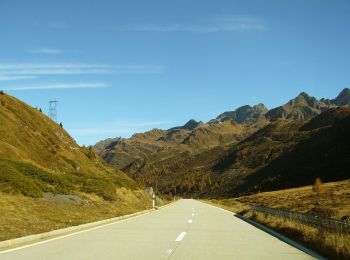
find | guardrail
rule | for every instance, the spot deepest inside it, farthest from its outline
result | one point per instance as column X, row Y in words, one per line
column 329, row 224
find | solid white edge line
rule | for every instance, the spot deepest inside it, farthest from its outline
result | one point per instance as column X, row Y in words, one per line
column 180, row 237
column 73, row 234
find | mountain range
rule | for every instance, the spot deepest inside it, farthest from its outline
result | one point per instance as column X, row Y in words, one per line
column 238, row 151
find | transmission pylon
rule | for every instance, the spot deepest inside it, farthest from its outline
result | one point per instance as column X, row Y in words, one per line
column 53, row 110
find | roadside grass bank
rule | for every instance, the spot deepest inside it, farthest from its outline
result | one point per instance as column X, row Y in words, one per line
column 22, row 216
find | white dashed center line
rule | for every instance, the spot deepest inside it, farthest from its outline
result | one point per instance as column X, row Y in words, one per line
column 190, row 221
column 180, row 237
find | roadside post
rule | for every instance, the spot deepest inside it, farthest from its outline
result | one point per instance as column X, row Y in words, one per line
column 154, row 200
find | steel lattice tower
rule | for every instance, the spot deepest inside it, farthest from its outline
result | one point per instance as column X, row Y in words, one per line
column 53, row 110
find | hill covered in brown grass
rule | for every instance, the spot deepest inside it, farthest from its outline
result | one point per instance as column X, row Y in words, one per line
column 37, row 155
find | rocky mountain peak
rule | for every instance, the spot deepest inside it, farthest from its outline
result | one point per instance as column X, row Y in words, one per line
column 261, row 108
column 304, row 95
column 153, row 134
column 302, row 107
column 242, row 114
column 343, row 98
column 190, row 125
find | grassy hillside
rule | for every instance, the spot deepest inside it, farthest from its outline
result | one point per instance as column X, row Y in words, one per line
column 333, row 200
column 42, row 167
column 37, row 155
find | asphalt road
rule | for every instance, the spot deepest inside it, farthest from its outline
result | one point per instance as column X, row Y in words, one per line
column 187, row 229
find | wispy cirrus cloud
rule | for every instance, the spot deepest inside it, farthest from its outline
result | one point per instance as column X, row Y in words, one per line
column 71, row 68
column 46, row 51
column 53, row 69
column 77, row 85
column 13, row 78
column 221, row 24
column 17, row 71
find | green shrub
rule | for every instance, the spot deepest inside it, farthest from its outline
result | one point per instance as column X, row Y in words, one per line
column 30, row 180
column 25, row 178
column 100, row 187
column 11, row 181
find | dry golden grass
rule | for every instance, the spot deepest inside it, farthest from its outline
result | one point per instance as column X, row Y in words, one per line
column 333, row 201
column 21, row 216
column 329, row 244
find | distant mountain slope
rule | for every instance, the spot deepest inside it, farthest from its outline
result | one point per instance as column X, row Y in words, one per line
column 301, row 107
column 306, row 107
column 120, row 152
column 242, row 114
column 37, row 155
column 324, row 154
column 343, row 98
column 214, row 134
column 157, row 145
column 190, row 125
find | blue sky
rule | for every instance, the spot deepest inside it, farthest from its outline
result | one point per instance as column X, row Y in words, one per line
column 120, row 67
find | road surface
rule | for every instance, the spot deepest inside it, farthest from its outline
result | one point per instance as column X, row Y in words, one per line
column 187, row 229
